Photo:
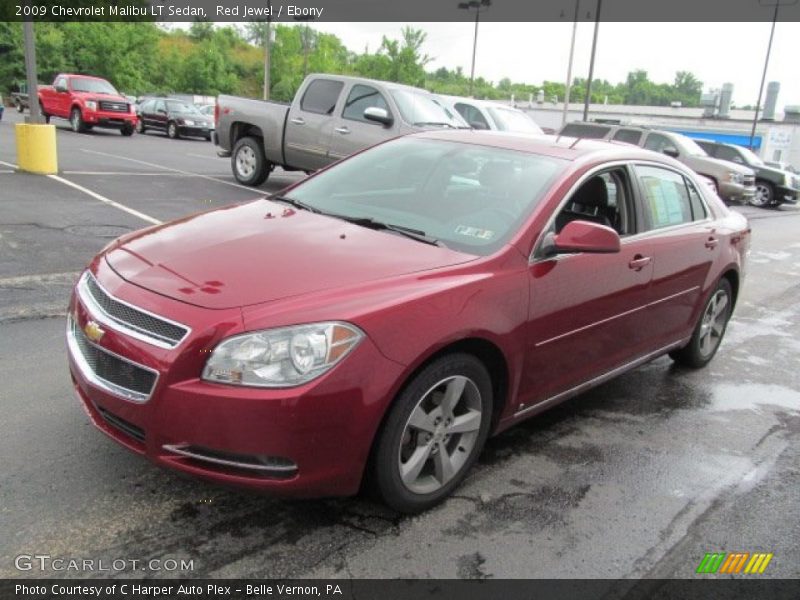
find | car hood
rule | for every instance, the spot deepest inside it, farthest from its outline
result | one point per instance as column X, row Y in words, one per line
column 264, row 251
column 715, row 165
column 188, row 115
column 96, row 96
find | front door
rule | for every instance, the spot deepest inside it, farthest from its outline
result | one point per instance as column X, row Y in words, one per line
column 352, row 132
column 309, row 125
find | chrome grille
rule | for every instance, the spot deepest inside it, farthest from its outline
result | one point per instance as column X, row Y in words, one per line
column 749, row 180
column 134, row 321
column 111, row 106
column 109, row 371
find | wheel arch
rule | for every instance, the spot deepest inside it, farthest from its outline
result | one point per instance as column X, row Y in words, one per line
column 732, row 275
column 240, row 129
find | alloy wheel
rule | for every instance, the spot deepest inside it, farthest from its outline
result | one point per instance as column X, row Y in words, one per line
column 245, row 162
column 763, row 195
column 440, row 434
column 713, row 324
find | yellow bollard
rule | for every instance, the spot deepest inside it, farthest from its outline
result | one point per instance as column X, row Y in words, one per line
column 36, row 148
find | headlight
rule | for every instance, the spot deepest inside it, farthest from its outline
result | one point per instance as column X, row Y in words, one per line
column 735, row 177
column 91, row 104
column 281, row 357
column 188, row 122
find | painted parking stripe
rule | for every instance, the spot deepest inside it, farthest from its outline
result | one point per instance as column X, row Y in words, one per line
column 105, row 200
column 149, row 164
column 104, row 173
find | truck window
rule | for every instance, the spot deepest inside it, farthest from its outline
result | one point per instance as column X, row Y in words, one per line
column 584, row 130
column 630, row 136
column 728, row 153
column 658, row 142
column 61, row 82
column 362, row 97
column 472, row 115
column 321, row 96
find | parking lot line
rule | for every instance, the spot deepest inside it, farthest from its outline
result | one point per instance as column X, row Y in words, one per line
column 108, row 201
column 149, row 164
column 8, row 164
column 126, row 173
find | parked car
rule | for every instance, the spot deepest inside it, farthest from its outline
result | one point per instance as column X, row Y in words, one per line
column 87, row 102
column 176, row 118
column 734, row 183
column 482, row 114
column 384, row 316
column 773, row 186
column 330, row 117
column 19, row 97
column 782, row 166
column 207, row 109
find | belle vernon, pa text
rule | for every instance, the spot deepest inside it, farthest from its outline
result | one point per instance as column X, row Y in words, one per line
column 136, row 589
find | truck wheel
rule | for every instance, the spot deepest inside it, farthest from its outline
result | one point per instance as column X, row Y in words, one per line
column 433, row 433
column 140, row 128
column 76, row 120
column 765, row 194
column 172, row 131
column 45, row 116
column 18, row 104
column 249, row 165
column 127, row 130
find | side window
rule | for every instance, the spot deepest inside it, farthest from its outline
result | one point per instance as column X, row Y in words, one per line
column 60, row 82
column 657, row 142
column 604, row 198
column 321, row 96
column 146, row 106
column 698, row 207
column 665, row 196
column 472, row 115
column 630, row 136
column 731, row 154
column 362, row 97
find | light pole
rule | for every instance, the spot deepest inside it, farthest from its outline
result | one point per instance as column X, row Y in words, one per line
column 306, row 37
column 568, row 86
column 267, row 41
column 776, row 4
column 479, row 6
column 591, row 64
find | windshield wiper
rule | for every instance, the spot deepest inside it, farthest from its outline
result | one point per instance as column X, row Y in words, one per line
column 295, row 203
column 369, row 222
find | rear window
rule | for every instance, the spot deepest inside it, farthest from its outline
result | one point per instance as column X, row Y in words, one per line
column 629, row 136
column 321, row 96
column 585, row 130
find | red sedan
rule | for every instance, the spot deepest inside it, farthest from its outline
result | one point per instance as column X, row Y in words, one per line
column 383, row 317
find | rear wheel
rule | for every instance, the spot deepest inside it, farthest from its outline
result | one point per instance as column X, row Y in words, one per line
column 765, row 194
column 76, row 120
column 709, row 330
column 172, row 130
column 249, row 165
column 434, row 433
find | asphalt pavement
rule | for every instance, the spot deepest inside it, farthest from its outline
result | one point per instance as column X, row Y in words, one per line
column 637, row 478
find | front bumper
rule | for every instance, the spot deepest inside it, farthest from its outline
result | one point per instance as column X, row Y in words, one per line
column 312, row 440
column 195, row 131
column 737, row 192
column 108, row 119
column 787, row 194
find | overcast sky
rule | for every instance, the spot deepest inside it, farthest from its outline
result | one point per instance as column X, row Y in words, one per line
column 716, row 53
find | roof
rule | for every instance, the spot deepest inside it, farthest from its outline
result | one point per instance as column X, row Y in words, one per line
column 564, row 147
column 354, row 79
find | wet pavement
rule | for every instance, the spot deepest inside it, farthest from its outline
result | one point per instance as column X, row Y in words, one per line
column 637, row 478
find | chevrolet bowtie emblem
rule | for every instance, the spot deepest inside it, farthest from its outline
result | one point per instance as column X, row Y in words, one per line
column 93, row 331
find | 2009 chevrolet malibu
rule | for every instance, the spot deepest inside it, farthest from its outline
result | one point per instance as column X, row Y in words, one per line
column 379, row 320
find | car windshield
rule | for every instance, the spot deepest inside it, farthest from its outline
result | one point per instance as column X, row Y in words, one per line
column 93, row 86
column 467, row 197
column 182, row 107
column 751, row 157
column 419, row 108
column 509, row 119
column 689, row 146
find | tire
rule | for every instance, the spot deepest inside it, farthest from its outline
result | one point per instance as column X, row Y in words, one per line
column 208, row 137
column 45, row 116
column 416, row 465
column 76, row 120
column 710, row 329
column 140, row 128
column 127, row 130
column 765, row 194
column 248, row 163
column 18, row 105
column 172, row 131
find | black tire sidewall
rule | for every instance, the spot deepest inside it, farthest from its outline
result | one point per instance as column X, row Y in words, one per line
column 386, row 473
column 261, row 171
column 172, row 127
column 79, row 127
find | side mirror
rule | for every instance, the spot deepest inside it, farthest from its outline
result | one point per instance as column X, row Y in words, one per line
column 671, row 151
column 582, row 236
column 61, row 89
column 378, row 115
column 478, row 125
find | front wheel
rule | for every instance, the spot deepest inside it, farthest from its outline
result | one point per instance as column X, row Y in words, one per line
column 172, row 131
column 140, row 128
column 434, row 433
column 76, row 120
column 710, row 329
column 249, row 165
column 18, row 105
column 127, row 130
column 45, row 116
column 765, row 194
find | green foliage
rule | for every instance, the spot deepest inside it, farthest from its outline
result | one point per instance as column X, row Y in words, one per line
column 141, row 57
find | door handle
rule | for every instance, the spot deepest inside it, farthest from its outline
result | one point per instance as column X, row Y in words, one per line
column 342, row 130
column 298, row 121
column 711, row 243
column 639, row 262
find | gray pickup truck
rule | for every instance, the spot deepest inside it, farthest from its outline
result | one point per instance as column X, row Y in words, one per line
column 330, row 117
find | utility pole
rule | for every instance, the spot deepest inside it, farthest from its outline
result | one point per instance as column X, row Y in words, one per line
column 568, row 86
column 30, row 71
column 478, row 5
column 591, row 64
column 267, row 41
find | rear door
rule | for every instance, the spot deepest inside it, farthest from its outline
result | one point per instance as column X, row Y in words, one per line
column 685, row 244
column 310, row 123
column 159, row 118
column 351, row 131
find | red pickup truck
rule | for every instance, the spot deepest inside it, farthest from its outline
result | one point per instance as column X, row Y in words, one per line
column 87, row 102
